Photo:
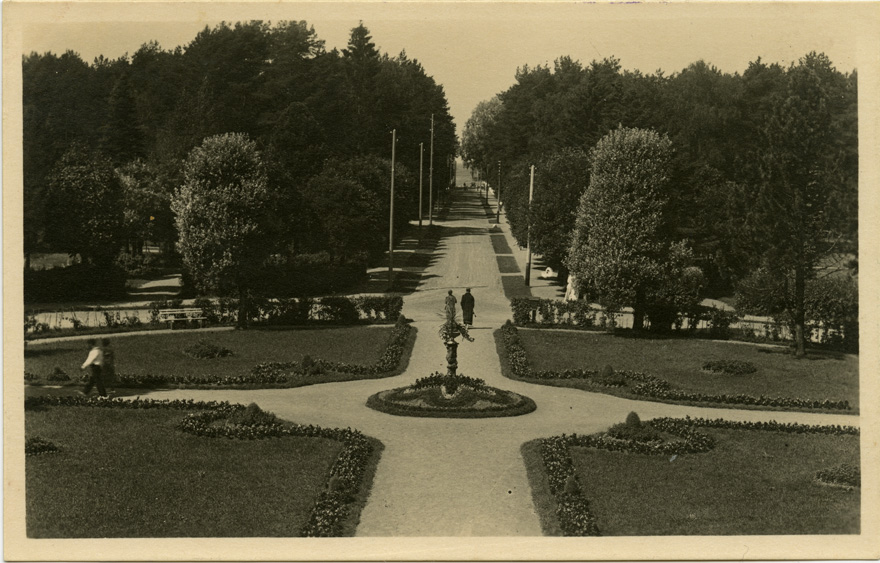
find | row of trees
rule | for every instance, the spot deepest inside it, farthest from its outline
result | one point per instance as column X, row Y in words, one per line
column 642, row 178
column 106, row 144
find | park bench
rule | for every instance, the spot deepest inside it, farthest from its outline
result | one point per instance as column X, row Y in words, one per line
column 187, row 315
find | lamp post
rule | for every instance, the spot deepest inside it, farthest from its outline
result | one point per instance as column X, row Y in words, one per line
column 431, row 177
column 529, row 228
column 391, row 218
column 421, row 176
column 498, row 213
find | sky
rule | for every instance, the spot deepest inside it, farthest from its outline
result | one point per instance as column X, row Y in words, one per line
column 474, row 48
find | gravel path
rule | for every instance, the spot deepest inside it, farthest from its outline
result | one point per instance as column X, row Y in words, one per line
column 448, row 477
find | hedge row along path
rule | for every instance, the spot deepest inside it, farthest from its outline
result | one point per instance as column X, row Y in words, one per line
column 456, row 477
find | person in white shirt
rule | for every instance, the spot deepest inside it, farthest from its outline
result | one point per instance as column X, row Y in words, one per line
column 95, row 361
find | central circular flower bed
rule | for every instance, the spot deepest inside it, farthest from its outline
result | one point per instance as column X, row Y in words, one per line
column 450, row 396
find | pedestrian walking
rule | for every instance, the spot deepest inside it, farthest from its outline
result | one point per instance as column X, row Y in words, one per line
column 467, row 308
column 450, row 306
column 94, row 362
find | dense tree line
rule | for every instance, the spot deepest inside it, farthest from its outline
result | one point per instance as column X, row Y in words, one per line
column 320, row 122
column 762, row 176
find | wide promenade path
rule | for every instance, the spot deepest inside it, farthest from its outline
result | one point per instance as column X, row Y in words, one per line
column 461, row 477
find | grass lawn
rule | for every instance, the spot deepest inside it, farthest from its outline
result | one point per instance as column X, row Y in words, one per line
column 753, row 482
column 130, row 473
column 507, row 265
column 820, row 376
column 163, row 354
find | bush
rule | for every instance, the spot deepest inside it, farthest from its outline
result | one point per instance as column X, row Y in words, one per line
column 309, row 275
column 209, row 309
column 80, row 282
column 58, row 374
column 732, row 367
column 36, row 445
column 204, row 350
column 252, row 415
column 338, row 310
column 845, row 474
column 139, row 265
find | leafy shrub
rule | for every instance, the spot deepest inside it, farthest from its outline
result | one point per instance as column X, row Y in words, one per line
column 451, row 382
column 252, row 415
column 204, row 350
column 732, row 367
column 339, row 310
column 310, row 275
column 208, row 308
column 58, row 374
column 844, row 474
column 138, row 265
column 36, row 445
column 609, row 378
column 638, row 432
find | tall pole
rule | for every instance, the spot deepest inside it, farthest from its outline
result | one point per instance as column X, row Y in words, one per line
column 529, row 228
column 421, row 176
column 431, row 177
column 498, row 213
column 391, row 218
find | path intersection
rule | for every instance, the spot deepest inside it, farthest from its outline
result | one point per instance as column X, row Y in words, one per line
column 461, row 477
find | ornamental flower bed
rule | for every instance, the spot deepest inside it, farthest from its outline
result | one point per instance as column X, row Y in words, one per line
column 346, row 474
column 573, row 509
column 646, row 385
column 732, row 367
column 450, row 396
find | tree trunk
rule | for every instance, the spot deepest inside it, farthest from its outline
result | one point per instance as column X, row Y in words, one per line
column 242, row 308
column 799, row 313
column 638, row 313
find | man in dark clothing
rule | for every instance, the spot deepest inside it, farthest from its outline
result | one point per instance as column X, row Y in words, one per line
column 467, row 308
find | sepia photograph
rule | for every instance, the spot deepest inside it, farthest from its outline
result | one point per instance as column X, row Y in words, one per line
column 441, row 280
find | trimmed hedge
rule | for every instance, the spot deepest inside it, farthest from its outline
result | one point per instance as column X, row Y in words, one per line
column 346, row 475
column 573, row 509
column 646, row 385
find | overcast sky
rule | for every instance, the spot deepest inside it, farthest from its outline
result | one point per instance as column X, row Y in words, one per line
column 473, row 49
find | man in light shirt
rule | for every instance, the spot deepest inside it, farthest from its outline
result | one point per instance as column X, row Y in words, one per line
column 94, row 361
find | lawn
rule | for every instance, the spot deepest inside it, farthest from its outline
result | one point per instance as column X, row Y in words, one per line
column 131, row 473
column 679, row 361
column 752, row 482
column 163, row 354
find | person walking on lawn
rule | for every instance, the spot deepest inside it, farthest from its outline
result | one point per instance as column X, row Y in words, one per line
column 467, row 308
column 94, row 362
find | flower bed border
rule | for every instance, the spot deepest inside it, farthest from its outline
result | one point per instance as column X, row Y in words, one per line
column 647, row 385
column 332, row 508
column 572, row 508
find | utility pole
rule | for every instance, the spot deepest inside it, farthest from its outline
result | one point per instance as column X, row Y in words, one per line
column 498, row 213
column 421, row 176
column 529, row 228
column 391, row 218
column 431, row 177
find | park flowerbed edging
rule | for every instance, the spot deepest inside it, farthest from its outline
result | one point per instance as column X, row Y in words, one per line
column 572, row 509
column 346, row 475
column 636, row 384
